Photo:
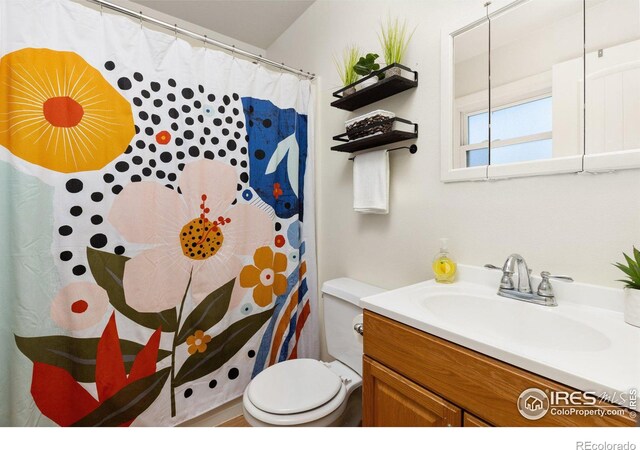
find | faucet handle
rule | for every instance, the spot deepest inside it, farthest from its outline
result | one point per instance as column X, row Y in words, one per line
column 547, row 276
column 545, row 289
column 506, row 282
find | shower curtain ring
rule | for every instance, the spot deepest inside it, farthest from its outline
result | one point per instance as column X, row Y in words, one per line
column 101, row 9
column 204, row 41
column 140, row 17
column 175, row 31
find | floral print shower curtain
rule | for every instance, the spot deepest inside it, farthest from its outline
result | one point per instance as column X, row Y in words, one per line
column 156, row 221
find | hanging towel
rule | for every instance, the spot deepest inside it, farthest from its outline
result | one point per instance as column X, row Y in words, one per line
column 371, row 182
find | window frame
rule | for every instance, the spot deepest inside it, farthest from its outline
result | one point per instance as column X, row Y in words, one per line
column 465, row 147
column 535, row 86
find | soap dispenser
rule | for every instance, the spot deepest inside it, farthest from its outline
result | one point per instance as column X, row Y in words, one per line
column 444, row 268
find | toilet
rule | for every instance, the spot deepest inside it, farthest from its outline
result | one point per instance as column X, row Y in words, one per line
column 308, row 392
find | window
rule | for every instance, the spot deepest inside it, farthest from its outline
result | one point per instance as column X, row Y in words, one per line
column 520, row 132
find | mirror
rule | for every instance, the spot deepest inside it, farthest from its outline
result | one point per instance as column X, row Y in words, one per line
column 612, row 63
column 525, row 64
column 536, row 83
column 471, row 94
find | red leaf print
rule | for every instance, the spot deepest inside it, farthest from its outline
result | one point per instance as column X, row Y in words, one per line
column 59, row 396
column 110, row 373
column 145, row 362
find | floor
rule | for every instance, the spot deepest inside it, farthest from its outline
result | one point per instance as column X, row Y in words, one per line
column 235, row 422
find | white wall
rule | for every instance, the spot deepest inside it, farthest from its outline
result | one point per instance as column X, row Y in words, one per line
column 569, row 224
column 174, row 20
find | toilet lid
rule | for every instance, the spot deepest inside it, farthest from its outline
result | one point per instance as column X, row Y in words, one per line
column 293, row 386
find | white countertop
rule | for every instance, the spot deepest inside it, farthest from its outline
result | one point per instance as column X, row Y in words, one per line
column 583, row 343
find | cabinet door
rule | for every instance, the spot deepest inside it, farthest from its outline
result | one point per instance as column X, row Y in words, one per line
column 390, row 400
column 469, row 420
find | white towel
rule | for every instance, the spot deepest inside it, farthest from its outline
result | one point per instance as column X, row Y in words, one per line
column 371, row 182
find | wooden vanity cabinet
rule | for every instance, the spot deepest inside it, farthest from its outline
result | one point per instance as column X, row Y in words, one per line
column 469, row 420
column 412, row 378
column 395, row 401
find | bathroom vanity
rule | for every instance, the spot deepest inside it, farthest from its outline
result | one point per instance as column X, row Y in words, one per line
column 459, row 355
column 412, row 378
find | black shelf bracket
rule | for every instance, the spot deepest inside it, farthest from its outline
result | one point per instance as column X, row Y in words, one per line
column 412, row 149
column 386, row 87
column 376, row 140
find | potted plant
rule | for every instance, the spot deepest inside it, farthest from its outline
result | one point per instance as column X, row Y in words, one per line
column 394, row 41
column 632, row 287
column 345, row 68
column 366, row 65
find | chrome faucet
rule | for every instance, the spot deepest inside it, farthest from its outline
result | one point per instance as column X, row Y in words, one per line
column 516, row 265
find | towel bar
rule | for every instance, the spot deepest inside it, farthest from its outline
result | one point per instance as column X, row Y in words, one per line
column 412, row 149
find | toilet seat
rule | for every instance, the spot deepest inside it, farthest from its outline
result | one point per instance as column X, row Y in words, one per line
column 294, row 386
column 309, row 387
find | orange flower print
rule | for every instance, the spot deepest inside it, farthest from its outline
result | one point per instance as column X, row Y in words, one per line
column 58, row 112
column 163, row 138
column 277, row 191
column 265, row 276
column 197, row 342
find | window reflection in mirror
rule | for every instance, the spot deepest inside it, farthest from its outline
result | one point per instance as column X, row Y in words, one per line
column 536, row 72
column 613, row 76
column 520, row 132
column 471, row 96
column 536, row 86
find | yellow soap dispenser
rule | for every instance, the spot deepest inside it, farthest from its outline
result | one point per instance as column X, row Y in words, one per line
column 444, row 268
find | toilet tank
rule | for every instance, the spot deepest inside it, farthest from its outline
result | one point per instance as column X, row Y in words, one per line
column 341, row 299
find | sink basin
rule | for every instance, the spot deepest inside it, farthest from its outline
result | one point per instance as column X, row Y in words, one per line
column 500, row 318
column 583, row 342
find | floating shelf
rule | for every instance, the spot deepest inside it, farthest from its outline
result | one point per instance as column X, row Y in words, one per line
column 384, row 88
column 376, row 139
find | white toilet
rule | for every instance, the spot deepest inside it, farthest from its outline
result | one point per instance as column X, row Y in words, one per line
column 307, row 392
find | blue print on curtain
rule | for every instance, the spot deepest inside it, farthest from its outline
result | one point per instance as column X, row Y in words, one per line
column 277, row 154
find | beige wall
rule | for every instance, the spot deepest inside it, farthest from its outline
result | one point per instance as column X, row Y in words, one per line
column 570, row 224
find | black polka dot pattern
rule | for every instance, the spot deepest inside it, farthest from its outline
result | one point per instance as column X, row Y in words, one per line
column 65, row 230
column 203, row 125
column 74, row 185
column 98, row 240
column 124, row 83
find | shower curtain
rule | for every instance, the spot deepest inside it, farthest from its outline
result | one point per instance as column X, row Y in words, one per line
column 156, row 221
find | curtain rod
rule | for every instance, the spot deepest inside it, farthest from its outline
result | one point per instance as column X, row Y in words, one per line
column 200, row 37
